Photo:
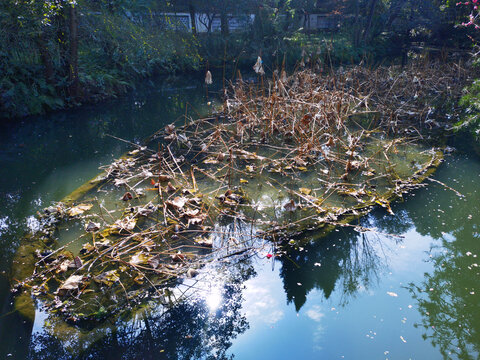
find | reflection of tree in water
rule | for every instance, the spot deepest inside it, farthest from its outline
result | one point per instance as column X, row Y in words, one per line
column 448, row 298
column 344, row 256
column 187, row 331
column 398, row 224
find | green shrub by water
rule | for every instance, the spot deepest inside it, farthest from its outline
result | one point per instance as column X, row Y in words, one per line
column 114, row 52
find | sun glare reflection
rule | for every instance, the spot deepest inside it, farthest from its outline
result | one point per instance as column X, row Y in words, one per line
column 213, row 299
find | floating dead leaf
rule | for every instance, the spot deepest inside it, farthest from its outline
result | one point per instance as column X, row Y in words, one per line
column 127, row 196
column 305, row 191
column 351, row 192
column 139, row 279
column 78, row 262
column 178, row 202
column 118, row 182
column 290, row 206
column 191, row 213
column 391, row 293
column 299, row 161
column 170, row 137
column 147, row 210
column 184, row 139
column 79, row 209
column 154, row 262
column 195, row 201
column 243, row 181
column 163, row 177
column 139, row 258
column 86, row 248
column 202, row 241
column 70, row 285
column 247, row 155
column 92, row 226
column 146, row 173
column 148, row 245
column 171, row 188
column 191, row 273
column 63, row 266
column 250, row 168
column 301, row 168
column 330, row 142
column 211, row 160
column 108, row 278
column 177, row 257
column 196, row 221
column 127, row 223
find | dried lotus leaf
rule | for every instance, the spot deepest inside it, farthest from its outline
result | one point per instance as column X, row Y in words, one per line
column 79, row 209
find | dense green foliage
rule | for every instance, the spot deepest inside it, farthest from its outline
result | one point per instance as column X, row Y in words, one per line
column 61, row 53
column 40, row 64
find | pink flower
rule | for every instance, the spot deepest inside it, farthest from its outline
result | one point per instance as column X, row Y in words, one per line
column 269, row 256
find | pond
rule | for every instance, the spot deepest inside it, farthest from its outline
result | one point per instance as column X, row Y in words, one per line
column 410, row 289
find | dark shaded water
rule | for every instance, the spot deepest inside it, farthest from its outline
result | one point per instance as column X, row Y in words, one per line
column 350, row 295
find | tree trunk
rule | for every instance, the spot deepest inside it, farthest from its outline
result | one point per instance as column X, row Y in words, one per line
column 193, row 20
column 356, row 27
column 258, row 24
column 224, row 21
column 305, row 24
column 368, row 25
column 46, row 59
column 395, row 11
column 62, row 40
column 210, row 22
column 73, row 54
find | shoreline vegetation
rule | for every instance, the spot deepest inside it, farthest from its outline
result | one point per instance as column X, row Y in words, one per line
column 285, row 157
column 59, row 55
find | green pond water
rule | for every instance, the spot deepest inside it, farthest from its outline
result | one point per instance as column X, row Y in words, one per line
column 346, row 296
